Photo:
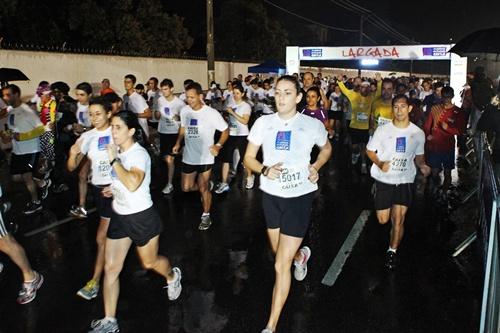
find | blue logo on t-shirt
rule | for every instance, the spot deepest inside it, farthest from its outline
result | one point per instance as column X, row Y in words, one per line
column 401, row 145
column 193, row 122
column 102, row 142
column 283, row 139
column 11, row 119
column 81, row 117
column 166, row 109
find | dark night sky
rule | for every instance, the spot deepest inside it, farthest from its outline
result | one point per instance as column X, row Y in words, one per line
column 427, row 21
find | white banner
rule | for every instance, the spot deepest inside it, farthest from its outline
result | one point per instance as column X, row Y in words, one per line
column 394, row 52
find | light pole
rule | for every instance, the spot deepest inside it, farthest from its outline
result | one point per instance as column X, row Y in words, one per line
column 210, row 42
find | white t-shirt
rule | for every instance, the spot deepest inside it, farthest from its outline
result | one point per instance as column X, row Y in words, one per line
column 3, row 122
column 93, row 144
column 21, row 120
column 153, row 97
column 400, row 146
column 137, row 104
column 183, row 97
column 82, row 115
column 124, row 201
column 256, row 96
column 289, row 142
column 334, row 99
column 423, row 94
column 235, row 127
column 200, row 127
column 168, row 110
column 266, row 108
column 228, row 97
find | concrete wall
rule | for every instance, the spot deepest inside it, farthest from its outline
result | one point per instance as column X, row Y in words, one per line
column 75, row 68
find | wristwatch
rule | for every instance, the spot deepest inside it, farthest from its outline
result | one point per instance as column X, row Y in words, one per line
column 116, row 159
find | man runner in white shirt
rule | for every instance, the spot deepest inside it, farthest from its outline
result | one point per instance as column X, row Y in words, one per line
column 134, row 102
column 168, row 117
column 394, row 150
column 198, row 125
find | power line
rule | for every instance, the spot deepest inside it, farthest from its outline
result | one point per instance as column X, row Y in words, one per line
column 309, row 20
column 371, row 17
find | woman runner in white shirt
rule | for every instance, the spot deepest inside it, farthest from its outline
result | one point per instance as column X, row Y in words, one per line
column 91, row 146
column 288, row 182
column 134, row 219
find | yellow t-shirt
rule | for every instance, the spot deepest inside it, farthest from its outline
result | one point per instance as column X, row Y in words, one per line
column 382, row 112
column 361, row 106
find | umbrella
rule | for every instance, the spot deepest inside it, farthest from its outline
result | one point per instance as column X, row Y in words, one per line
column 12, row 74
column 484, row 44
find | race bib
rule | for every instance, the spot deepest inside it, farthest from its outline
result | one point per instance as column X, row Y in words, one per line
column 291, row 178
column 399, row 164
column 102, row 142
column 362, row 117
column 283, row 139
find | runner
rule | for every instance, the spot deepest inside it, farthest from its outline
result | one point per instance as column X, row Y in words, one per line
column 8, row 245
column 288, row 182
column 239, row 115
column 92, row 144
column 132, row 101
column 314, row 110
column 198, row 125
column 381, row 113
column 361, row 103
column 395, row 149
column 335, row 114
column 168, row 116
column 133, row 220
column 24, row 131
column 83, row 95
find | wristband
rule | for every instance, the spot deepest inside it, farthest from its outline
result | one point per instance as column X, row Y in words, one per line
column 264, row 170
column 116, row 159
column 218, row 145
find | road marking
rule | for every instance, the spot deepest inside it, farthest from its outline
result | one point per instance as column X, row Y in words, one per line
column 54, row 224
column 345, row 251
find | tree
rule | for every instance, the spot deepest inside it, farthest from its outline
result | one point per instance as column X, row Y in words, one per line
column 245, row 30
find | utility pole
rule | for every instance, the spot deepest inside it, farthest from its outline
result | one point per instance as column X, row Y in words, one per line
column 361, row 19
column 210, row 42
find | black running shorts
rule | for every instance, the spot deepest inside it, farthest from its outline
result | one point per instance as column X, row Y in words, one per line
column 232, row 143
column 167, row 142
column 102, row 204
column 291, row 215
column 139, row 227
column 190, row 168
column 387, row 195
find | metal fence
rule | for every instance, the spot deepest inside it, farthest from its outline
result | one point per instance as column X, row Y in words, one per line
column 488, row 230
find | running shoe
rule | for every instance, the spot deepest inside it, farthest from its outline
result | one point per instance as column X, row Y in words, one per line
column 90, row 290
column 205, row 223
column 354, row 158
column 32, row 207
column 390, row 260
column 300, row 271
column 78, row 212
column 174, row 288
column 250, row 182
column 221, row 188
column 45, row 188
column 267, row 330
column 364, row 169
column 168, row 189
column 29, row 289
column 232, row 173
column 104, row 326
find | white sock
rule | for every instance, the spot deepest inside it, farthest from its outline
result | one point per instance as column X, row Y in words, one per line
column 205, row 214
column 392, row 250
column 111, row 319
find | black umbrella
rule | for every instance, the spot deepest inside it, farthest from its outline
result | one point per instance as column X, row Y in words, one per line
column 12, row 74
column 482, row 44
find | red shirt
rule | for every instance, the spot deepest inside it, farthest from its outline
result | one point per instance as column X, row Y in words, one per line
column 443, row 140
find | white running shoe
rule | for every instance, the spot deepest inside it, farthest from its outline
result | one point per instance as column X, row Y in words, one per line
column 168, row 189
column 250, row 182
column 174, row 288
column 300, row 271
column 221, row 188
